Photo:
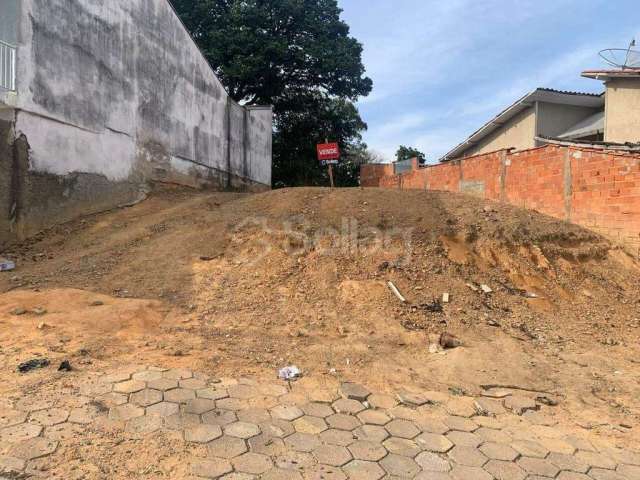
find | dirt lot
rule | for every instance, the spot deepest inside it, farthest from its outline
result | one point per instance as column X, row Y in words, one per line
column 232, row 284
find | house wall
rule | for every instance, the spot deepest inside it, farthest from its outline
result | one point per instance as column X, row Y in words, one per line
column 597, row 189
column 554, row 119
column 9, row 21
column 113, row 95
column 622, row 113
column 518, row 133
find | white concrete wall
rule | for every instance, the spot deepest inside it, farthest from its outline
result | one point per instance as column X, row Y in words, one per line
column 114, row 87
column 622, row 112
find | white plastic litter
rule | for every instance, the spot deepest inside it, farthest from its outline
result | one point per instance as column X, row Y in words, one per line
column 289, row 373
column 6, row 265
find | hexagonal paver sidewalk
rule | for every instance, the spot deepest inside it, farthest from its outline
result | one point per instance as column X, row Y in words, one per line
column 246, row 429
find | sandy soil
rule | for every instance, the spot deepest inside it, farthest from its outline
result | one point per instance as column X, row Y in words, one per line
column 232, row 284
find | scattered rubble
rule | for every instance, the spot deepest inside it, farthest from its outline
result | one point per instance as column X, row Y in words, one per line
column 33, row 364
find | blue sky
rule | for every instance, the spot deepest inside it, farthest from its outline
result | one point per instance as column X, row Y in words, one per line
column 442, row 68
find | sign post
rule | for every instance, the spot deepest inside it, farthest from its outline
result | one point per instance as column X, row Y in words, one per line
column 329, row 154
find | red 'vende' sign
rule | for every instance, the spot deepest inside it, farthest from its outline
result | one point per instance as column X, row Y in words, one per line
column 328, row 151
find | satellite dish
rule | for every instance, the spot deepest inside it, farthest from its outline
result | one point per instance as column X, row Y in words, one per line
column 623, row 58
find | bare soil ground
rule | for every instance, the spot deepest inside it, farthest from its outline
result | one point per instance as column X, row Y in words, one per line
column 232, row 284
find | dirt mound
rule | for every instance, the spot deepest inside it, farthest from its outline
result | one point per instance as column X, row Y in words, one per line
column 248, row 283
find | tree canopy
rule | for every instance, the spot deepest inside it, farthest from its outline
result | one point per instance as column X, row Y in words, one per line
column 406, row 153
column 296, row 55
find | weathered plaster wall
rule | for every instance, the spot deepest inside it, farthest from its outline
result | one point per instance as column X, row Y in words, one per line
column 9, row 21
column 555, row 119
column 113, row 94
column 518, row 133
column 622, row 114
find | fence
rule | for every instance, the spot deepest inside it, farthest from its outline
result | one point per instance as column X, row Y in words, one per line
column 7, row 66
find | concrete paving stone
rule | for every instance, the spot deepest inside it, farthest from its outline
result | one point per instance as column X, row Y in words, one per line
column 211, row 468
column 181, row 421
column 286, row 412
column 10, row 417
column 333, row 455
column 631, row 472
column 227, row 447
column 461, row 407
column 279, row 474
column 147, row 376
column 489, row 406
column 557, row 445
column 49, row 417
column 239, row 476
column 460, row 472
column 243, row 392
column 572, row 476
column 64, row 431
column 264, row 402
column 542, row 431
column 400, row 466
column 538, row 466
column 324, row 472
column 354, row 391
column 154, row 368
column 528, row 448
column 596, row 460
column 465, row 439
column 294, row 398
column 219, row 417
column 499, row 451
column 405, row 413
column 338, row 437
column 143, row 425
column 434, row 442
column 370, row 451
column 433, row 476
column 432, row 462
column 267, row 445
column 372, row 433
column 302, row 442
column 212, row 393
column 33, row 448
column 323, row 395
column 412, row 399
column 432, row 425
column 192, row 384
column 33, row 404
column 489, row 422
column 363, row 470
column 242, row 430
column 309, row 424
column 11, row 464
column 568, row 462
column 277, row 428
column 179, row 395
column 460, row 424
column 163, row 409
column 254, row 415
column 602, row 474
column 84, row 415
column 272, row 389
column 580, row 443
column 203, row 433
column 467, row 456
column 437, row 398
column 384, row 402
column 402, row 428
column 116, row 377
column 295, row 460
column 130, row 386
column 491, row 435
column 519, row 404
column 343, row 421
column 146, row 397
column 124, row 413
column 402, row 446
column 113, row 399
column 198, row 406
column 316, row 409
column 177, row 374
column 504, row 470
column 94, row 388
column 162, row 384
column 374, row 417
column 347, row 405
column 253, row 463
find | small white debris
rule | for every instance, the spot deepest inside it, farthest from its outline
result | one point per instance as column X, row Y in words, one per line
column 486, row 288
column 289, row 373
column 472, row 287
column 445, row 298
column 396, row 292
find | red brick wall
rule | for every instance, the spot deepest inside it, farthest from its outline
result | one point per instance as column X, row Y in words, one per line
column 597, row 189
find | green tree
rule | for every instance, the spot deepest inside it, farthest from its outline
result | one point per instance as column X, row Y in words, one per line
column 406, row 153
column 296, row 55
